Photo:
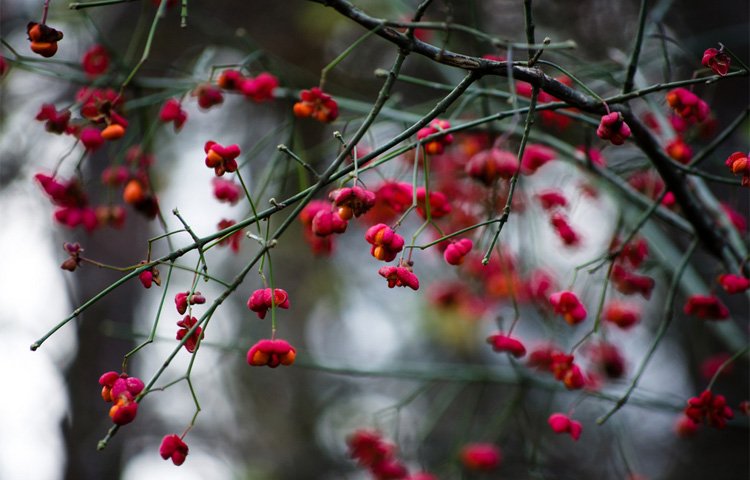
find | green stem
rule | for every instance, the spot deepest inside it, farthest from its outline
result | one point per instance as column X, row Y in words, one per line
column 194, row 271
column 343, row 55
column 699, row 173
column 575, row 79
column 296, row 158
column 599, row 308
column 514, row 179
column 727, row 362
column 97, row 3
column 194, row 237
column 147, row 48
column 273, row 295
column 455, row 234
column 249, row 200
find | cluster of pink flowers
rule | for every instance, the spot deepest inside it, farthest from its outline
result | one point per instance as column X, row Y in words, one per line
column 262, row 300
column 568, row 305
column 717, row 60
column 437, row 145
column 710, row 409
column 271, row 353
column 379, row 456
column 706, row 307
column 173, row 448
column 631, row 256
column 183, row 301
column 121, row 390
column 487, row 166
column 550, row 118
column 560, row 364
column 451, row 200
column 612, row 127
column 351, row 201
column 688, row 105
column 561, row 423
column 72, row 203
column 257, row 89
column 606, row 359
column 535, row 157
column 738, row 164
column 385, row 243
column 149, row 276
column 95, row 61
column 552, row 199
column 392, row 198
column 101, row 107
column 320, row 245
column 316, row 104
column 401, row 276
column 563, row 229
column 73, row 261
column 172, row 112
column 222, row 159
column 621, row 313
column 186, row 324
column 321, row 220
column 438, row 203
column 503, row 343
column 732, row 283
column 455, row 253
column 480, row 457
column 102, row 120
column 43, row 39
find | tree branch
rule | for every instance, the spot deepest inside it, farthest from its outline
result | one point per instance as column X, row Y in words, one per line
column 694, row 211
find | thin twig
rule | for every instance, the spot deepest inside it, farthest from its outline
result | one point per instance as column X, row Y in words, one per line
column 514, row 179
column 296, row 158
column 529, row 22
column 194, row 237
column 97, row 3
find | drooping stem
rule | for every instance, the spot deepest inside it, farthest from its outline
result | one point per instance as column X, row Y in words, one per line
column 726, row 363
column 147, row 48
column 283, row 148
column 514, row 179
column 45, row 10
column 324, row 71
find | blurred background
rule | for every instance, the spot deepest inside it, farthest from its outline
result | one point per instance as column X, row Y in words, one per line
column 418, row 370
